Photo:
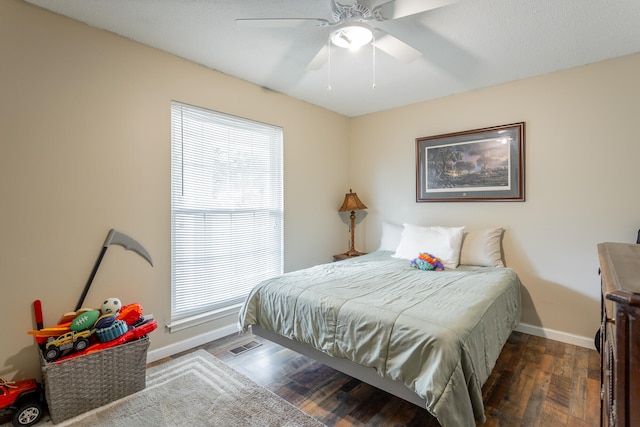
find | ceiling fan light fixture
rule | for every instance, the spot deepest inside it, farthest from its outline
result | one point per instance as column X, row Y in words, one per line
column 352, row 36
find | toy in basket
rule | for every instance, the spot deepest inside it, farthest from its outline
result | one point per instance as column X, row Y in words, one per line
column 93, row 330
column 108, row 326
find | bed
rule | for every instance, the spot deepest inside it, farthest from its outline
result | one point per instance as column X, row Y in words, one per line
column 429, row 337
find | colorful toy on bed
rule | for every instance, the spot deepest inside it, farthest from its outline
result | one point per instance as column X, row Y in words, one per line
column 427, row 261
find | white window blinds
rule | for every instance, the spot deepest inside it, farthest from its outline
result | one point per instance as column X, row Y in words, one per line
column 226, row 209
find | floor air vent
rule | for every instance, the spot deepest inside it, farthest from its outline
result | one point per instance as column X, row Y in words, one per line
column 244, row 348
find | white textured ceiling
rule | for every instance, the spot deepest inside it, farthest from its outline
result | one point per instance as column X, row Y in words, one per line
column 467, row 45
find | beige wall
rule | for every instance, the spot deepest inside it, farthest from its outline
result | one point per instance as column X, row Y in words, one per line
column 582, row 151
column 85, row 147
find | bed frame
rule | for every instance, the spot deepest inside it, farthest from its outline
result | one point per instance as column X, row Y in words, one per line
column 367, row 375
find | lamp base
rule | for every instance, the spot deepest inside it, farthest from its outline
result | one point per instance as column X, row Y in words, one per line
column 348, row 255
column 353, row 252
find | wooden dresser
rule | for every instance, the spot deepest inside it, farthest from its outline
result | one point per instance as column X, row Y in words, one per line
column 620, row 334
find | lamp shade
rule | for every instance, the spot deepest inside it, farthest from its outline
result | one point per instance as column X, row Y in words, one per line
column 351, row 203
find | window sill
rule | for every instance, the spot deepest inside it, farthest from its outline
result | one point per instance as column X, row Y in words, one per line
column 199, row 319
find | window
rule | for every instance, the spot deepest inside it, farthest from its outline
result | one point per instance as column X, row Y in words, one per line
column 226, row 211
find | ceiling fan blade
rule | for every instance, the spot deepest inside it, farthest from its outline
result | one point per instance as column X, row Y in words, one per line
column 320, row 59
column 397, row 48
column 282, row 22
column 394, row 9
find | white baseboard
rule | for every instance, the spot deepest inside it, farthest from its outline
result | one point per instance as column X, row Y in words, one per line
column 190, row 343
column 557, row 335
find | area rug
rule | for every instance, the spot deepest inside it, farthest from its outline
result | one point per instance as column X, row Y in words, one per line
column 196, row 390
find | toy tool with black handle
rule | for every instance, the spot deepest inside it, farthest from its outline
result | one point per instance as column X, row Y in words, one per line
column 113, row 238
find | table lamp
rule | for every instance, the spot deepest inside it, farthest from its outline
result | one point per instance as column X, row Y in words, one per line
column 352, row 203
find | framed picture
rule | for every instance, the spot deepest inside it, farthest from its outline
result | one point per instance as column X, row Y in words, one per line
column 475, row 165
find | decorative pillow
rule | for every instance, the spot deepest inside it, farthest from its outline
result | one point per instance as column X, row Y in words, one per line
column 482, row 248
column 390, row 238
column 442, row 242
column 427, row 261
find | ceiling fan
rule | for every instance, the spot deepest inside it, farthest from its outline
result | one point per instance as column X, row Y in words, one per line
column 355, row 25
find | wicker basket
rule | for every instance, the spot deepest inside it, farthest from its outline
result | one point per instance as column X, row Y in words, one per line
column 82, row 383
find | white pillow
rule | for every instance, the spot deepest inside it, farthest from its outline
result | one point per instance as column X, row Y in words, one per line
column 441, row 242
column 390, row 238
column 483, row 248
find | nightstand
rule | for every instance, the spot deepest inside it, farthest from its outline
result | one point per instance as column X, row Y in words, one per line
column 341, row 257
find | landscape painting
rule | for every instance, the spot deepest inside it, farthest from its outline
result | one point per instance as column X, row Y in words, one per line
column 475, row 166
column 483, row 164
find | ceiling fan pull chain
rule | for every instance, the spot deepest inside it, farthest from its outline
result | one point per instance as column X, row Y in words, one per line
column 373, row 47
column 329, row 63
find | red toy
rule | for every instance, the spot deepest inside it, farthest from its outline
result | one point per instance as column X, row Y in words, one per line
column 23, row 399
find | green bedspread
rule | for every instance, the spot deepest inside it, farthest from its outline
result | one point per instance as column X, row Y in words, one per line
column 438, row 332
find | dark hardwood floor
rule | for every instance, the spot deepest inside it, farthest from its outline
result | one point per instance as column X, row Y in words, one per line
column 536, row 382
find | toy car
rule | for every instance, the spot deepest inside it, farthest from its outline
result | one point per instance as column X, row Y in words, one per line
column 76, row 340
column 23, row 399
